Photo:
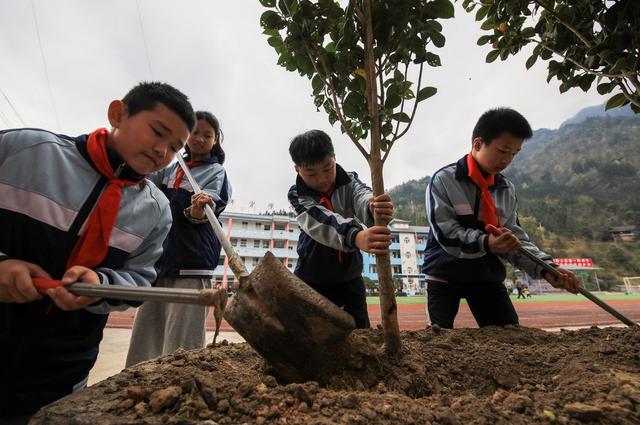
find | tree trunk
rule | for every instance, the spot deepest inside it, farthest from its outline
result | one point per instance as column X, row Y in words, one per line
column 388, row 307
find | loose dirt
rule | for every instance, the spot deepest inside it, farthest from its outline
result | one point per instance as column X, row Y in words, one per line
column 491, row 375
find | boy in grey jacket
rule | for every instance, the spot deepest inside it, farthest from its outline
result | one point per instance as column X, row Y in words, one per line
column 461, row 260
column 334, row 209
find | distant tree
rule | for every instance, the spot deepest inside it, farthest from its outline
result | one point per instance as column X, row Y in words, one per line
column 358, row 55
column 583, row 40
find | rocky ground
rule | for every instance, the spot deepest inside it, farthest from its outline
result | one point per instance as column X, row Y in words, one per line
column 466, row 376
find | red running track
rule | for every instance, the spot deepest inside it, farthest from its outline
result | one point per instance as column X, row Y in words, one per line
column 534, row 315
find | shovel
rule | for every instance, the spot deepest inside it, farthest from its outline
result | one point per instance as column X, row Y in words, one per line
column 550, row 269
column 216, row 298
column 298, row 331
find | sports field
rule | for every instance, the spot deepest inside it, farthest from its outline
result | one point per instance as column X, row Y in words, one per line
column 539, row 311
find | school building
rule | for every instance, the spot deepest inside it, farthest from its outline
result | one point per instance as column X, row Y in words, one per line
column 252, row 235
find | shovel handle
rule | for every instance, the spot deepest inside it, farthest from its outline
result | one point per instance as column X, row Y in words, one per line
column 549, row 268
column 128, row 293
column 236, row 264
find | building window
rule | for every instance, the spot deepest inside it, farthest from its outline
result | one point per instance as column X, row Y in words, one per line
column 372, row 268
column 265, row 244
column 243, row 243
column 279, row 244
column 397, row 270
column 255, row 261
column 258, row 226
column 221, row 260
column 395, row 254
column 396, row 239
column 245, row 224
column 234, row 242
column 279, row 226
column 256, row 243
column 266, row 227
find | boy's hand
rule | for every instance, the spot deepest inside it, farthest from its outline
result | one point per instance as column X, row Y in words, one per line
column 505, row 243
column 374, row 240
column 64, row 299
column 15, row 281
column 198, row 201
column 383, row 206
column 567, row 280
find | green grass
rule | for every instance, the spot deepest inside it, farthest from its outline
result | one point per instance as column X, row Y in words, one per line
column 534, row 298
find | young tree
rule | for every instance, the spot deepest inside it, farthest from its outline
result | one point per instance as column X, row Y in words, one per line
column 583, row 40
column 358, row 59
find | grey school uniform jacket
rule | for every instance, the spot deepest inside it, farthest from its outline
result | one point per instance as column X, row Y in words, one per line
column 48, row 188
column 456, row 248
column 328, row 227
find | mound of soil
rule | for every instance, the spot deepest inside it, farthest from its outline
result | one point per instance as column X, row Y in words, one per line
column 466, row 376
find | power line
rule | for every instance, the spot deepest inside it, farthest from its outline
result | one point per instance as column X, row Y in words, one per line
column 144, row 39
column 5, row 119
column 44, row 63
column 15, row 111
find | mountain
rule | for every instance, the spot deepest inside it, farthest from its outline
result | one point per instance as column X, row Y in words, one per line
column 598, row 111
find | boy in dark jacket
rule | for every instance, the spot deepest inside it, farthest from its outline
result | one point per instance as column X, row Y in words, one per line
column 334, row 209
column 78, row 209
column 461, row 259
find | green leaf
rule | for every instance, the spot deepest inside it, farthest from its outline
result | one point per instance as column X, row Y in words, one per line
column 438, row 39
column 605, row 88
column 275, row 41
column 268, row 3
column 441, row 9
column 532, row 59
column 331, row 47
column 615, row 101
column 426, row 93
column 433, row 59
column 316, row 84
column 492, row 55
column 270, row 19
column 401, row 116
column 481, row 13
column 484, row 40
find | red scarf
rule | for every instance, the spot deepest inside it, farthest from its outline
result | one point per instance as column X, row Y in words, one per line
column 325, row 201
column 91, row 248
column 487, row 205
column 180, row 172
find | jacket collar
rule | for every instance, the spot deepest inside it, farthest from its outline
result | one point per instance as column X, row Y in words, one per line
column 342, row 178
column 126, row 173
column 462, row 174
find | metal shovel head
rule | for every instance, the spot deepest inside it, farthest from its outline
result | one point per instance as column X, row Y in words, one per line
column 298, row 331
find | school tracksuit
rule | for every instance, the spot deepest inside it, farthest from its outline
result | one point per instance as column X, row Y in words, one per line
column 457, row 263
column 48, row 188
column 191, row 253
column 328, row 259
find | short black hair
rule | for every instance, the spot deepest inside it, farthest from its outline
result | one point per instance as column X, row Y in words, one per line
column 496, row 121
column 147, row 94
column 310, row 147
column 217, row 150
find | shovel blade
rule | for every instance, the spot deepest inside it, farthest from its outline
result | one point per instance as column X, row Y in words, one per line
column 298, row 331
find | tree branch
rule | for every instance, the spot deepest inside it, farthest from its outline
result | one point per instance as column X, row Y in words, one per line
column 565, row 24
column 578, row 64
column 413, row 114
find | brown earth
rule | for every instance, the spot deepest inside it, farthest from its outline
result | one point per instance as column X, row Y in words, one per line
column 466, row 376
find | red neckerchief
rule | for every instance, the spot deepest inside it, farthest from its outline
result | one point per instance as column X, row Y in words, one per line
column 91, row 249
column 180, row 172
column 325, row 201
column 487, row 205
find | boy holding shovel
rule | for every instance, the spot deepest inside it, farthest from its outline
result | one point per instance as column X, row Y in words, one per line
column 463, row 260
column 334, row 209
column 78, row 209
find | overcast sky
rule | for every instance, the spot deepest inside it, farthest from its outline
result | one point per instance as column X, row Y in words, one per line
column 91, row 52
